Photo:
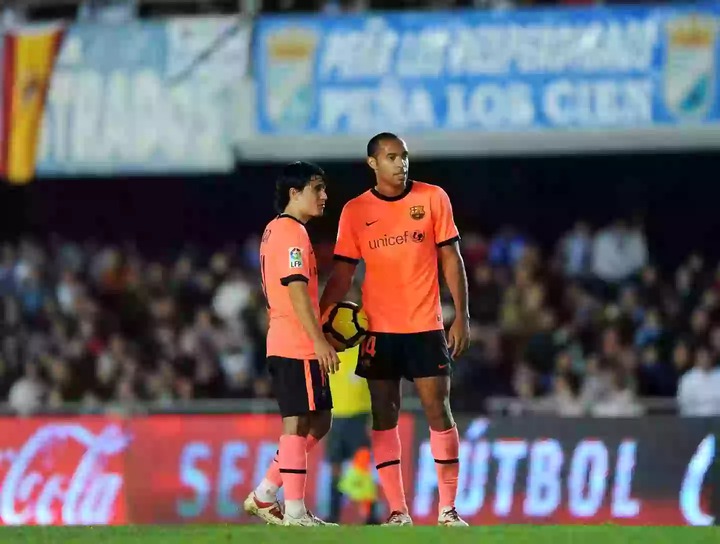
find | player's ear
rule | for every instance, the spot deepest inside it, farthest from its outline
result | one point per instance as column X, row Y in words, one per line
column 372, row 162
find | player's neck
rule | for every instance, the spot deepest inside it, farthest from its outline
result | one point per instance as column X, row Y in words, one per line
column 390, row 190
column 295, row 214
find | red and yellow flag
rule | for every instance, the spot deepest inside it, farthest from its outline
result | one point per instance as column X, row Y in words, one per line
column 27, row 65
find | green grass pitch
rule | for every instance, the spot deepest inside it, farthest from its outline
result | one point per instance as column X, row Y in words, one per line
column 517, row 534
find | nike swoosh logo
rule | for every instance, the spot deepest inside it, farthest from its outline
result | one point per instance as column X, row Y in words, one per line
column 368, row 223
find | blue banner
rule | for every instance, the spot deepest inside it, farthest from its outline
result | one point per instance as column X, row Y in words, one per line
column 146, row 97
column 482, row 71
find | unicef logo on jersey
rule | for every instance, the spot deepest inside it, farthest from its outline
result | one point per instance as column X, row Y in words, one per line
column 689, row 66
column 417, row 236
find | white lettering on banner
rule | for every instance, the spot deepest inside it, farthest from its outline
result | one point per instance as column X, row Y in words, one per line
column 458, row 49
column 115, row 130
column 146, row 99
column 362, row 109
column 543, row 480
column 217, row 489
column 87, row 497
column 472, row 479
column 691, row 489
column 86, row 118
column 479, row 50
column 603, row 102
column 594, row 47
column 565, row 103
column 508, row 454
column 366, row 53
column 423, row 54
column 625, row 506
column 194, row 478
column 129, row 117
column 588, row 474
column 226, row 506
column 586, row 482
column 489, row 105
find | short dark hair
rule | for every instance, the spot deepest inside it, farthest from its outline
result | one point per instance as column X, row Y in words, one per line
column 295, row 175
column 374, row 143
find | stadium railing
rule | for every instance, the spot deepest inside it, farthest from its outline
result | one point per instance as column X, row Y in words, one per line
column 505, row 406
column 495, row 406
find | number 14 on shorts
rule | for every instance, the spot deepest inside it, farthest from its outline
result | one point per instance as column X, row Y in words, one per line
column 367, row 348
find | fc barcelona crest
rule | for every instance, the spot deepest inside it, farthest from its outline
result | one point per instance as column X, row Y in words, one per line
column 417, row 212
column 689, row 66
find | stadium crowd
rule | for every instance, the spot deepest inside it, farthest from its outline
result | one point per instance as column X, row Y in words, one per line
column 586, row 328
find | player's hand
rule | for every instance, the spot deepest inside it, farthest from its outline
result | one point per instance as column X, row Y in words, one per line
column 327, row 356
column 334, row 343
column 459, row 337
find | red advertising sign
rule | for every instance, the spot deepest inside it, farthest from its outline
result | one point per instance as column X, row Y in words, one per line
column 62, row 471
column 158, row 469
column 199, row 469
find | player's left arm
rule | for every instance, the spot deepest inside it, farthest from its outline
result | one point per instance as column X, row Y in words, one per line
column 346, row 256
column 453, row 269
column 447, row 239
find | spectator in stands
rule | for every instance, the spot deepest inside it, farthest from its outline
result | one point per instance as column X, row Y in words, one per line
column 475, row 250
column 563, row 400
column 619, row 252
column 486, row 296
column 699, row 390
column 620, row 401
column 596, row 382
column 656, row 378
column 26, row 396
column 575, row 250
column 506, row 248
column 650, row 330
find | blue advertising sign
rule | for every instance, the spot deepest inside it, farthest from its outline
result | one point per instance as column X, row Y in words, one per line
column 145, row 97
column 482, row 71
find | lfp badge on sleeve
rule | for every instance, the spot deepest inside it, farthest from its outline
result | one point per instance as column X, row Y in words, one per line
column 296, row 259
column 689, row 78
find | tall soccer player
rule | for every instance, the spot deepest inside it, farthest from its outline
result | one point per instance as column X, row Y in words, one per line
column 299, row 356
column 400, row 229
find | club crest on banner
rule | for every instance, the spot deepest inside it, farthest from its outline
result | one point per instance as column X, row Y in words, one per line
column 289, row 72
column 689, row 71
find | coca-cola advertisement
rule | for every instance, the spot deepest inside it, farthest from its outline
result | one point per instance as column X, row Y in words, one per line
column 657, row 471
column 63, row 471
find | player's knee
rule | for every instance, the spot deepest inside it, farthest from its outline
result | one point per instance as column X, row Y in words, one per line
column 386, row 417
column 297, row 425
column 320, row 424
column 439, row 415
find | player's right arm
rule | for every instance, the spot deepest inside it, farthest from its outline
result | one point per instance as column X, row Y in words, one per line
column 346, row 257
column 295, row 275
column 303, row 307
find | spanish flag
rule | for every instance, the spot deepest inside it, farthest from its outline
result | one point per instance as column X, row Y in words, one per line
column 27, row 66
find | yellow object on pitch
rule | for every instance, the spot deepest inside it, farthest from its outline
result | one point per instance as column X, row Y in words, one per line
column 346, row 323
column 357, row 482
